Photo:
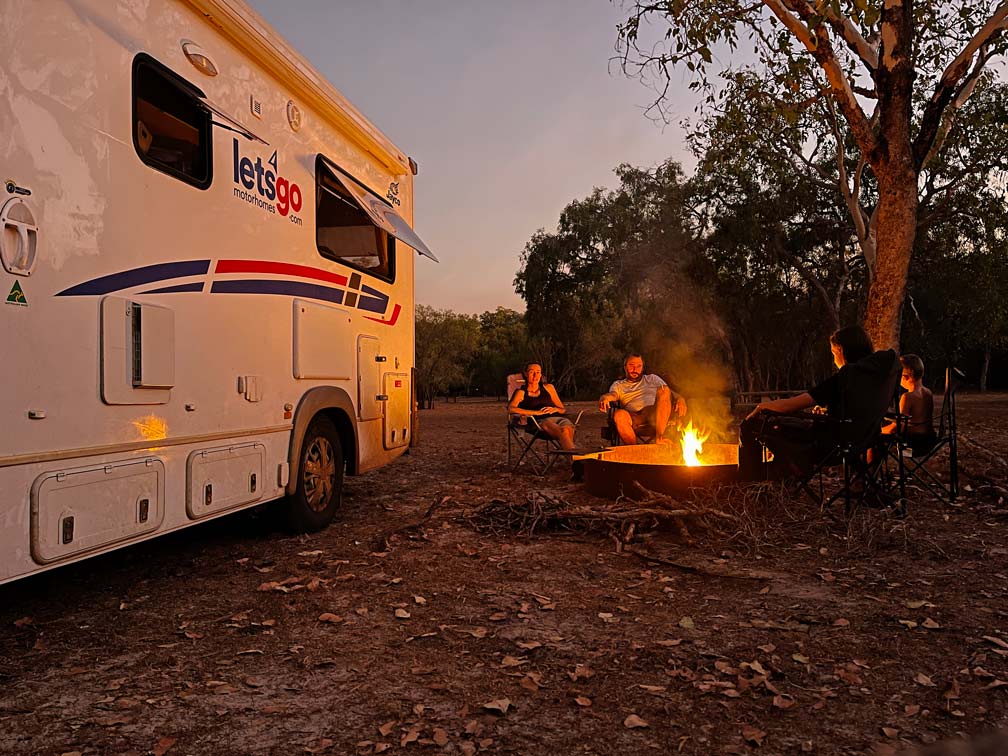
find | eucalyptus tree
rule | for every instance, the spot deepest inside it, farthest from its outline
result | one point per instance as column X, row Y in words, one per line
column 867, row 62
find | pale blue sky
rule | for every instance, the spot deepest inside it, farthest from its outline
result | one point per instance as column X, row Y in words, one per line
column 512, row 109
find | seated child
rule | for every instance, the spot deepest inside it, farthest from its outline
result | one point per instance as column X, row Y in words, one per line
column 918, row 405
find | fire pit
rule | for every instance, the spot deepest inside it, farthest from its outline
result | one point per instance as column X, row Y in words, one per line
column 657, row 467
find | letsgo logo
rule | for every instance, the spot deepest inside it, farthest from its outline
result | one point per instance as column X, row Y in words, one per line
column 264, row 187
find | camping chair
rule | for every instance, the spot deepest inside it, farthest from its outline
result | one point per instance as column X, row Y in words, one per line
column 528, row 442
column 853, row 443
column 916, row 467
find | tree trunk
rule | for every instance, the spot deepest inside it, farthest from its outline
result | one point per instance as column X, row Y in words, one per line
column 897, row 226
column 985, row 368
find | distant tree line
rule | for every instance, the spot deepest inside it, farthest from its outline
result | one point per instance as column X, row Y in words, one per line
column 469, row 355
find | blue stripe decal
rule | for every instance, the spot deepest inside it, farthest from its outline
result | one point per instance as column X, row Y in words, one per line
column 378, row 302
column 284, row 288
column 372, row 305
column 196, row 286
column 137, row 277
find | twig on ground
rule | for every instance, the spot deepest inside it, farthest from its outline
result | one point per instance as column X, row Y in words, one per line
column 693, row 569
column 381, row 542
column 624, row 518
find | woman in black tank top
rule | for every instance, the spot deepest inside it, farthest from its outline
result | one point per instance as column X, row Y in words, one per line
column 539, row 400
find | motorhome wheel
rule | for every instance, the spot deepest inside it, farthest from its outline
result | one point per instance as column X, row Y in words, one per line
column 320, row 478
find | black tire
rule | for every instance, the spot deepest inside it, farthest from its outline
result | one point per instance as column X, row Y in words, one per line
column 319, row 491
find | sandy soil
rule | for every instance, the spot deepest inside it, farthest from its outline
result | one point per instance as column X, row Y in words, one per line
column 803, row 632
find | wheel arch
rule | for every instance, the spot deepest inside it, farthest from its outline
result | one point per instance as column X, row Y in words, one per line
column 335, row 404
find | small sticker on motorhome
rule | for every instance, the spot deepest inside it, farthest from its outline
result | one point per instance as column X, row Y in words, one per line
column 16, row 296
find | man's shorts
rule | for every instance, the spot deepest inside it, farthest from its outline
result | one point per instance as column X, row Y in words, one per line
column 644, row 418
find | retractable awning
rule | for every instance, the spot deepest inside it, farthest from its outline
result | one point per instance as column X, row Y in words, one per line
column 381, row 212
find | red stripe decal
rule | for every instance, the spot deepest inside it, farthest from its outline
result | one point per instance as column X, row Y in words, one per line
column 392, row 322
column 278, row 268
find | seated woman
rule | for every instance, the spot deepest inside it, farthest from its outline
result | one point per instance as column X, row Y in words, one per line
column 918, row 405
column 539, row 400
column 858, row 393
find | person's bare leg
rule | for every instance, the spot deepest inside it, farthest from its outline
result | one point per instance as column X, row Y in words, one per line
column 624, row 427
column 563, row 434
column 663, row 411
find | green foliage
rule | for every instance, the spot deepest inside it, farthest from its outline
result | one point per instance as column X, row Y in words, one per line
column 503, row 349
column 445, row 345
column 469, row 354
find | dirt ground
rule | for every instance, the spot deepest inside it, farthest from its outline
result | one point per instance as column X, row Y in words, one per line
column 801, row 632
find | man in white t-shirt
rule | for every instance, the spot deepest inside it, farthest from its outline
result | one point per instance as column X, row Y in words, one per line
column 643, row 400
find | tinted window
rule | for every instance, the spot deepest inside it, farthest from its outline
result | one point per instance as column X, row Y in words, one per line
column 345, row 233
column 171, row 129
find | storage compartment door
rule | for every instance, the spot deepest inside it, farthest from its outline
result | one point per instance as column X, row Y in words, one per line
column 323, row 342
column 224, row 478
column 77, row 511
column 397, row 410
column 370, row 399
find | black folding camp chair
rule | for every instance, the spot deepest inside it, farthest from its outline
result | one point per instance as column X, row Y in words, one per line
column 529, row 444
column 917, row 467
column 860, row 449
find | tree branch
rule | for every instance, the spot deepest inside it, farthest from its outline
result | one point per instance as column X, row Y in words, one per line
column 794, row 14
column 845, row 28
column 965, row 92
column 949, row 86
column 805, row 272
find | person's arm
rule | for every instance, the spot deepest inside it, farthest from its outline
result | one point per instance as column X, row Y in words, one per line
column 558, row 406
column 904, row 409
column 790, row 404
column 517, row 398
column 610, row 397
column 678, row 401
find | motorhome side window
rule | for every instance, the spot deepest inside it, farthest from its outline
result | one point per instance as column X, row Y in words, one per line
column 171, row 128
column 345, row 233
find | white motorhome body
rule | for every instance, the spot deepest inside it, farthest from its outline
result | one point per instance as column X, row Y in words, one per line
column 207, row 277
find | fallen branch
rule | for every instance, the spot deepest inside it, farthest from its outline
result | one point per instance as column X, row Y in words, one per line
column 693, row 569
column 381, row 542
column 624, row 518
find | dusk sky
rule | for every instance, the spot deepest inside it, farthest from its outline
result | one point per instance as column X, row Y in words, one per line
column 512, row 109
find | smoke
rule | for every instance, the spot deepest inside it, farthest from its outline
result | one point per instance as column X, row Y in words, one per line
column 684, row 341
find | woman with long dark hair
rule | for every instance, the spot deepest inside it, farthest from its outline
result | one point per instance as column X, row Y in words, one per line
column 540, row 400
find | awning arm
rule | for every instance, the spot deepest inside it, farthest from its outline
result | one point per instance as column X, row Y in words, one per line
column 232, row 123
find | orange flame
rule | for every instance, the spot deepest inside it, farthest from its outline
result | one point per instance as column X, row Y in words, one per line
column 692, row 445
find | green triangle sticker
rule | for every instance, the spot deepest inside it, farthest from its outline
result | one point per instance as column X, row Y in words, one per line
column 16, row 295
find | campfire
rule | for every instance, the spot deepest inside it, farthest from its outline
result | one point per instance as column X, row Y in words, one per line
column 692, row 445
column 670, row 468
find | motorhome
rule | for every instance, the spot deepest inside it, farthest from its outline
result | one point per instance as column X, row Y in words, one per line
column 207, row 278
